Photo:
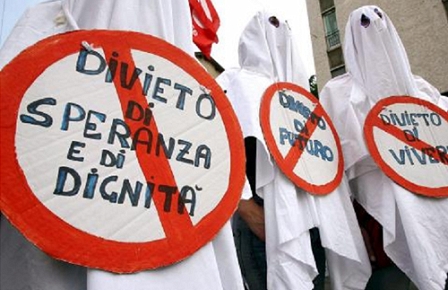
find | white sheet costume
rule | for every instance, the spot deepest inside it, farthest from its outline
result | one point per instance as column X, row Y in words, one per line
column 268, row 54
column 415, row 228
column 214, row 266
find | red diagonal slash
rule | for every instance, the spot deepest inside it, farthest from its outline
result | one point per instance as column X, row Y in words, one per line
column 441, row 156
column 305, row 134
column 154, row 168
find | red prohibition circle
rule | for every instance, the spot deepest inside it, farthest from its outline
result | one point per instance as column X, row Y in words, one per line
column 60, row 239
column 288, row 162
column 374, row 121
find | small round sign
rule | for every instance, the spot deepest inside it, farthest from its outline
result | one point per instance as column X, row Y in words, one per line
column 301, row 138
column 118, row 150
column 407, row 137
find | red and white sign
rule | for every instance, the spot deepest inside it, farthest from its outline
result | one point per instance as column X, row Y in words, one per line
column 118, row 150
column 407, row 137
column 301, row 138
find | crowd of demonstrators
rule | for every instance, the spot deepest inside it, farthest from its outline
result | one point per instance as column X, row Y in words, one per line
column 369, row 233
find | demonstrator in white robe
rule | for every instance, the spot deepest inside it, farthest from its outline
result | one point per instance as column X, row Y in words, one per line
column 415, row 228
column 23, row 266
column 267, row 54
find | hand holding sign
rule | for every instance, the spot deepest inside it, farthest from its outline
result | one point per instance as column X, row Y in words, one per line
column 123, row 155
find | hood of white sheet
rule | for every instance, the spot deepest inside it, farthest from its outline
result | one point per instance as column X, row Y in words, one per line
column 268, row 47
column 375, row 56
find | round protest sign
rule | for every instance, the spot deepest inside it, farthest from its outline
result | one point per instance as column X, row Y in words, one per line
column 301, row 138
column 407, row 137
column 118, row 150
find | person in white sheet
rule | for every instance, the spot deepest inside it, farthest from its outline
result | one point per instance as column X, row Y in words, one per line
column 415, row 228
column 22, row 265
column 268, row 53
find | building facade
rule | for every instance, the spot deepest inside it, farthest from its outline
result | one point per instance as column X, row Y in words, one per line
column 421, row 24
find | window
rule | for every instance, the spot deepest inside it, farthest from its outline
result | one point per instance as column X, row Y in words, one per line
column 331, row 28
column 334, row 50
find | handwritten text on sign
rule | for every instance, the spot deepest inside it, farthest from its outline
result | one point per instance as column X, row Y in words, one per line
column 301, row 138
column 407, row 138
column 181, row 150
column 411, row 124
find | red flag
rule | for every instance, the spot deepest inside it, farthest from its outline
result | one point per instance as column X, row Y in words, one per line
column 205, row 25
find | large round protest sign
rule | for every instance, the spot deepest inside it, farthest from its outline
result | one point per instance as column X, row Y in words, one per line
column 407, row 137
column 301, row 138
column 118, row 150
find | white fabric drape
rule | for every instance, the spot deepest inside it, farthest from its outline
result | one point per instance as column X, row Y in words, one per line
column 269, row 54
column 415, row 228
column 215, row 265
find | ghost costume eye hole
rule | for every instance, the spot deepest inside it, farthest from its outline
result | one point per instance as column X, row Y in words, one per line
column 378, row 13
column 274, row 21
column 365, row 21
